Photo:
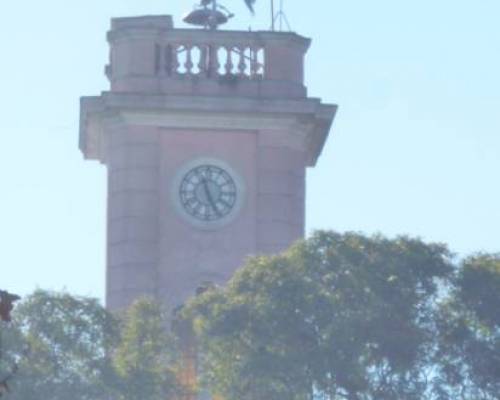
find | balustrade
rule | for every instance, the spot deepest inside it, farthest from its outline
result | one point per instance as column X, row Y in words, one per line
column 149, row 55
column 210, row 60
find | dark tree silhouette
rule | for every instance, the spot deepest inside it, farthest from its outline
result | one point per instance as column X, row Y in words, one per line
column 7, row 301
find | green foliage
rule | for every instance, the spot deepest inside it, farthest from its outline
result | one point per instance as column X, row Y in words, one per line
column 469, row 331
column 347, row 316
column 335, row 317
column 145, row 357
column 354, row 317
column 71, row 347
column 479, row 288
column 60, row 342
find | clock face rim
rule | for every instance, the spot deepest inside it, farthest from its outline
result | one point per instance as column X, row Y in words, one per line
column 208, row 193
column 224, row 220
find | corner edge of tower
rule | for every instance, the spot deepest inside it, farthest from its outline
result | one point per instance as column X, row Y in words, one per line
column 324, row 117
column 89, row 131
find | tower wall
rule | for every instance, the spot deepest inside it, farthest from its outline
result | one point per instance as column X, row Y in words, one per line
column 206, row 137
column 133, row 251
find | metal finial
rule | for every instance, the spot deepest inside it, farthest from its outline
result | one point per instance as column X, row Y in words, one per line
column 208, row 14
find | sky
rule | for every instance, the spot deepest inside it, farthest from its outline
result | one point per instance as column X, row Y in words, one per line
column 414, row 149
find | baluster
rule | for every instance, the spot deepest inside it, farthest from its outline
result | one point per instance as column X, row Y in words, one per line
column 195, row 58
column 189, row 61
column 217, row 63
column 242, row 65
column 261, row 58
column 176, row 65
column 229, row 63
column 203, row 64
column 254, row 62
column 212, row 61
column 169, row 60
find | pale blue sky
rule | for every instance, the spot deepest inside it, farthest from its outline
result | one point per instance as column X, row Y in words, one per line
column 415, row 147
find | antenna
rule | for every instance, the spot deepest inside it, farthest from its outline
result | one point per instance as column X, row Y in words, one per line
column 280, row 16
column 272, row 15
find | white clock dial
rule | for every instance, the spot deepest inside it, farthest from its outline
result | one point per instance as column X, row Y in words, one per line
column 208, row 193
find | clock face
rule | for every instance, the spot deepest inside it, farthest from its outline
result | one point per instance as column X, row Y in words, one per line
column 208, row 193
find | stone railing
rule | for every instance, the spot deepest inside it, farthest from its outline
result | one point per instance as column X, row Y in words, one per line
column 210, row 60
column 149, row 55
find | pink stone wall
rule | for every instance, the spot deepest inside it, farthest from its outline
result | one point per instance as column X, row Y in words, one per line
column 133, row 205
column 191, row 255
column 153, row 251
column 281, row 197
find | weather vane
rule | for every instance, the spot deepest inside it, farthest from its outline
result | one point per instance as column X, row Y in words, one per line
column 210, row 15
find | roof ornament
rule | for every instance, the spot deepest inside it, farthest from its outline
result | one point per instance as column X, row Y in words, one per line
column 208, row 14
column 279, row 17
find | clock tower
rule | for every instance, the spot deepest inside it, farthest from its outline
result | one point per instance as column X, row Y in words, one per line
column 206, row 136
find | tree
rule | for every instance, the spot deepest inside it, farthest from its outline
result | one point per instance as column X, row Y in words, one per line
column 7, row 301
column 71, row 347
column 469, row 332
column 145, row 359
column 343, row 316
column 60, row 343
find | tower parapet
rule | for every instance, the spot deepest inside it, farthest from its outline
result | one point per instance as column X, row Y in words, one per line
column 148, row 55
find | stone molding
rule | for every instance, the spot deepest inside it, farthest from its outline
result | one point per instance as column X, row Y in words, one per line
column 306, row 120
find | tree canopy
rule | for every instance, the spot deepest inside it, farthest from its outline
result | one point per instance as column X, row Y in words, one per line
column 145, row 358
column 336, row 317
column 353, row 317
column 469, row 331
column 71, row 347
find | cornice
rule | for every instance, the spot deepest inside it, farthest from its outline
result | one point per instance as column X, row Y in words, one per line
column 307, row 119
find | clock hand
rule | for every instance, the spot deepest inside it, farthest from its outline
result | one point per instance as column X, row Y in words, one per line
column 209, row 196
